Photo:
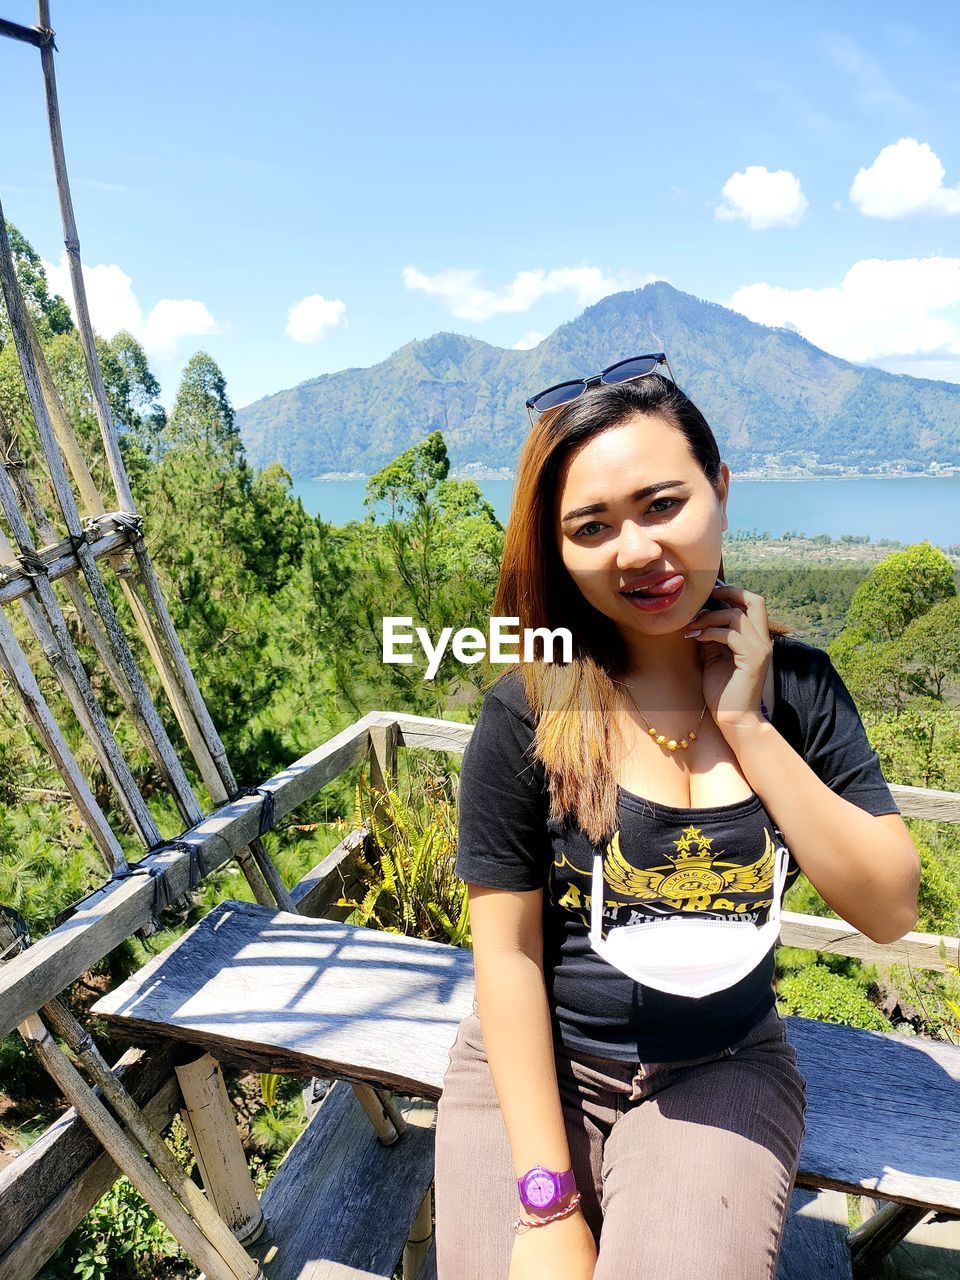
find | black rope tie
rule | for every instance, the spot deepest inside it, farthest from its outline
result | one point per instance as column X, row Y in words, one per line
column 132, row 523
column 266, row 809
column 78, row 540
column 33, row 566
column 157, row 873
column 197, row 868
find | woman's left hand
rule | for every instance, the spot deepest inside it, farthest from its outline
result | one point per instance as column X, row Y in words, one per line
column 736, row 650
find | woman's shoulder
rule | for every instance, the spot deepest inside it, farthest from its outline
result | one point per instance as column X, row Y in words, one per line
column 799, row 658
column 508, row 689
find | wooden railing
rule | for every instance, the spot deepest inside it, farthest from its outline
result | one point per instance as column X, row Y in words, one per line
column 46, row 1191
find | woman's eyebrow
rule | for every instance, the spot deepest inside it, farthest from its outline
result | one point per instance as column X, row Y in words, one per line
column 645, row 492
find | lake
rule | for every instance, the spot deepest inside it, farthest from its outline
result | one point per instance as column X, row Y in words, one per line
column 907, row 508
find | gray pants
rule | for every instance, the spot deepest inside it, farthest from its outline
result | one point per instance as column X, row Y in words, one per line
column 685, row 1168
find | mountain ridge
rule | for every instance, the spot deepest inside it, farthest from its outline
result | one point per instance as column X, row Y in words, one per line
column 771, row 397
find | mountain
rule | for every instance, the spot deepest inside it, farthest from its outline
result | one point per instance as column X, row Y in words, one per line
column 771, row 397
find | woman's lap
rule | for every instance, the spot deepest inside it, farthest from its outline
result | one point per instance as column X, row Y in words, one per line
column 685, row 1169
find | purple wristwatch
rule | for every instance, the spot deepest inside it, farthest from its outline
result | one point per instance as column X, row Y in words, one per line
column 542, row 1189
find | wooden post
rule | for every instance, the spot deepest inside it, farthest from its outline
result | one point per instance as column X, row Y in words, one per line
column 377, row 1113
column 880, row 1232
column 211, row 1224
column 13, row 938
column 419, row 1239
column 383, row 755
column 216, row 1143
column 128, row 1157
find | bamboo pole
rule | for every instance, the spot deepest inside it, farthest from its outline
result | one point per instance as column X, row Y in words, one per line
column 15, row 467
column 14, row 662
column 420, row 1238
column 208, row 1117
column 30, row 503
column 128, row 1157
column 191, row 710
column 217, row 1242
column 66, row 1026
column 94, row 507
column 20, row 325
column 50, row 627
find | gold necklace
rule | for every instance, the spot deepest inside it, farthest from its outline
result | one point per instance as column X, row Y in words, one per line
column 660, row 738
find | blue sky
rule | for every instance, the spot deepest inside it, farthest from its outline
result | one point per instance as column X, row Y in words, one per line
column 492, row 170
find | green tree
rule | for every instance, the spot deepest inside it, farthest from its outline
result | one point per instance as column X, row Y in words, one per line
column 50, row 312
column 140, row 416
column 931, row 647
column 404, row 483
column 202, row 412
column 900, row 588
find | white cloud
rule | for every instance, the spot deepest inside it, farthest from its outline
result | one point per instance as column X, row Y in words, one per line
column 906, row 177
column 763, row 198
column 466, row 298
column 532, row 338
column 890, row 310
column 114, row 306
column 312, row 318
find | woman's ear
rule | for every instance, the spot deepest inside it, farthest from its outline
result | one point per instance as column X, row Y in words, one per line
column 723, row 492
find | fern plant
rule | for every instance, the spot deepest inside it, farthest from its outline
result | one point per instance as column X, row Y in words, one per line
column 407, row 870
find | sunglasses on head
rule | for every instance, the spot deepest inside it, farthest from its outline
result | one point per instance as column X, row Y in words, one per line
column 622, row 371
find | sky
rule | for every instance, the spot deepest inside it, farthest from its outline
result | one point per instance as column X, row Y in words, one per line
column 305, row 189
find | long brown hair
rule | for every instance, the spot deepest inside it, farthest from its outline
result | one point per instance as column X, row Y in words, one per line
column 575, row 704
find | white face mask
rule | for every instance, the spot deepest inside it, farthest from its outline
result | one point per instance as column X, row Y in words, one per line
column 688, row 957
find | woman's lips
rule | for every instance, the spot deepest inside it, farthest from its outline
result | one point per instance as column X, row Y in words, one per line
column 657, row 603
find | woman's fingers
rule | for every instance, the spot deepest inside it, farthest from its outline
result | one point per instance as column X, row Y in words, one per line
column 748, row 602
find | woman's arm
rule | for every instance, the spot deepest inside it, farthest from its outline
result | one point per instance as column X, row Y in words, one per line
column 863, row 865
column 515, row 1018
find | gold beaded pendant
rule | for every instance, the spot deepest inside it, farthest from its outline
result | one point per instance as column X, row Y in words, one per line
column 660, row 738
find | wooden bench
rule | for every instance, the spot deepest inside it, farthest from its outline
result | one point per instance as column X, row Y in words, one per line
column 281, row 992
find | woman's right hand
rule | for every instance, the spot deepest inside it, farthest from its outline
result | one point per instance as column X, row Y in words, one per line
column 562, row 1250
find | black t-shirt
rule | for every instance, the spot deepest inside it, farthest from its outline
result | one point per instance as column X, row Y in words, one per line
column 507, row 842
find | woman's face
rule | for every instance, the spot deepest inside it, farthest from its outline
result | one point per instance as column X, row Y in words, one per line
column 632, row 535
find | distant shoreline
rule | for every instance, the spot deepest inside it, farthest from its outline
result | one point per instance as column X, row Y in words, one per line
column 504, row 473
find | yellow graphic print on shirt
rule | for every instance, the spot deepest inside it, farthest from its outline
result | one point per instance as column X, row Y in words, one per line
column 693, row 878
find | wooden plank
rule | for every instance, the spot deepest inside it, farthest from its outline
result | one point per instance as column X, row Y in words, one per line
column 278, row 991
column 336, row 876
column 46, row 1191
column 924, row 802
column 314, row 997
column 121, row 907
column 815, row 1237
column 425, row 731
column 341, row 1205
column 820, row 933
column 883, row 1113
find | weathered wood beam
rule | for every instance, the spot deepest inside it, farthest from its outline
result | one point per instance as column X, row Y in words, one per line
column 104, row 539
column 28, row 35
column 336, row 876
column 121, row 907
column 819, row 933
column 924, row 802
column 47, row 1189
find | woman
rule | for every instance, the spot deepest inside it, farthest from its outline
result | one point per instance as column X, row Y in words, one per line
column 623, row 1100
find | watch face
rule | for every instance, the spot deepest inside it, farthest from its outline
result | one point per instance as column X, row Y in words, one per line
column 540, row 1189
